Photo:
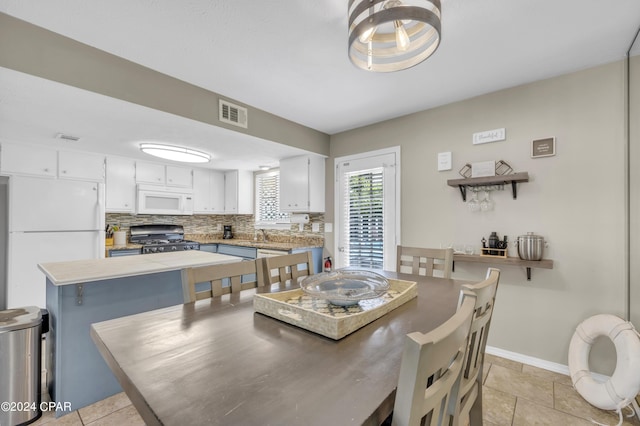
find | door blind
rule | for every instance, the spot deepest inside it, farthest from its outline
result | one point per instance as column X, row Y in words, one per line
column 364, row 204
column 268, row 198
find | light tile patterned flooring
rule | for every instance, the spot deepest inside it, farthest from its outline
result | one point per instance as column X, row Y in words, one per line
column 514, row 394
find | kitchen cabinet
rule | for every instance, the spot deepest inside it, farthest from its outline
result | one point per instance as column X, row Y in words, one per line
column 302, row 184
column 208, row 191
column 160, row 174
column 123, row 252
column 179, row 176
column 28, row 160
column 210, row 248
column 81, row 166
column 238, row 192
column 149, row 173
column 120, row 185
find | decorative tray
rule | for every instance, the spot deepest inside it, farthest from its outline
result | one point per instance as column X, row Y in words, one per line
column 334, row 321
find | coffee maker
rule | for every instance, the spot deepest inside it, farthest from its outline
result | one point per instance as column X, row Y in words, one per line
column 227, row 235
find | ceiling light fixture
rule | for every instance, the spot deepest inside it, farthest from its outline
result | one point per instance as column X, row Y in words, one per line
column 264, row 167
column 392, row 35
column 175, row 153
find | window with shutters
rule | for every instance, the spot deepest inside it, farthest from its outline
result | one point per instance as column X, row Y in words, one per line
column 365, row 212
column 268, row 200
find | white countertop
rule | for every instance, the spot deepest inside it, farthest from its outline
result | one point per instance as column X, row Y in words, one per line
column 82, row 271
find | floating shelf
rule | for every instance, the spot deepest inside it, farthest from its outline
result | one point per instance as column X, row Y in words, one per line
column 513, row 179
column 513, row 261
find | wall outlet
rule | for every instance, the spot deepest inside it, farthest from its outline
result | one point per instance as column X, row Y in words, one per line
column 315, row 227
column 218, row 227
column 328, row 227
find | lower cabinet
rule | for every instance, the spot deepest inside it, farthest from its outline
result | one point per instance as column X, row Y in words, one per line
column 123, row 252
column 248, row 253
column 211, row 248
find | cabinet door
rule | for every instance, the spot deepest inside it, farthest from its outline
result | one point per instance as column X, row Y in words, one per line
column 294, row 184
column 149, row 173
column 81, row 166
column 28, row 160
column 179, row 176
column 217, row 192
column 202, row 192
column 238, row 192
column 231, row 192
column 120, row 185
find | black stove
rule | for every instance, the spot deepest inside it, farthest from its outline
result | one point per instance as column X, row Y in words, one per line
column 161, row 238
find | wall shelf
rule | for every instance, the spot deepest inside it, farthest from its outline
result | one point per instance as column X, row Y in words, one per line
column 513, row 261
column 513, row 179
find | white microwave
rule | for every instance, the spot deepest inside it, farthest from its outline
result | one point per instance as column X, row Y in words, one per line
column 164, row 200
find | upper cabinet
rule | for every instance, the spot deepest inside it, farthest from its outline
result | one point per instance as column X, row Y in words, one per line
column 47, row 162
column 149, row 173
column 28, row 160
column 302, row 184
column 238, row 192
column 120, row 185
column 208, row 191
column 81, row 166
column 159, row 174
column 179, row 176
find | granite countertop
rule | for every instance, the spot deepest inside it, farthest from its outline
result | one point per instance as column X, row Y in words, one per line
column 273, row 245
column 82, row 271
column 292, row 244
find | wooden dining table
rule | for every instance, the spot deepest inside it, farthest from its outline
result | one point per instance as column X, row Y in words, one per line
column 218, row 362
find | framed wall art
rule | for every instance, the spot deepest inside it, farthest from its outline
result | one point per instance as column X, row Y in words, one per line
column 543, row 147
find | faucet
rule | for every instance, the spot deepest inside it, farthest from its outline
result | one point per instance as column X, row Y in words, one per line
column 264, row 235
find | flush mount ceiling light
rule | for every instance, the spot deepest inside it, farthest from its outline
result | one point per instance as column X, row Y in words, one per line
column 175, row 153
column 392, row 35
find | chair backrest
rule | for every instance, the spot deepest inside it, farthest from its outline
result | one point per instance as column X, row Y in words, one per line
column 485, row 295
column 286, row 267
column 426, row 259
column 236, row 275
column 431, row 369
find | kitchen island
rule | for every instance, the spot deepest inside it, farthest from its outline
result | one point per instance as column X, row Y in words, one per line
column 83, row 292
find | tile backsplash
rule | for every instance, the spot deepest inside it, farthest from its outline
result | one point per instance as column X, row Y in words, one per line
column 243, row 225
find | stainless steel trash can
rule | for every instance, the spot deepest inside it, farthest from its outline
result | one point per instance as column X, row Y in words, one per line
column 20, row 365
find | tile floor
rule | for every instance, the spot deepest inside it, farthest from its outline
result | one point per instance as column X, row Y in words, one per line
column 513, row 394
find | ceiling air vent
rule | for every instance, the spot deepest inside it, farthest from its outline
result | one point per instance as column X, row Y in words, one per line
column 233, row 114
column 66, row 137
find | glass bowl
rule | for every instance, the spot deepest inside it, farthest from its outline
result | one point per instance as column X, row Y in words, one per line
column 345, row 287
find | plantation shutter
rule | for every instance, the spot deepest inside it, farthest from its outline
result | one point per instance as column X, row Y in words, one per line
column 268, row 198
column 364, row 204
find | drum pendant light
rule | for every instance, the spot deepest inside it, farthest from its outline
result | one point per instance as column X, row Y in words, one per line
column 392, row 35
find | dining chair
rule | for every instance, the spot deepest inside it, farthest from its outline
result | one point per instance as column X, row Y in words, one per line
column 237, row 274
column 471, row 382
column 280, row 269
column 434, row 259
column 430, row 371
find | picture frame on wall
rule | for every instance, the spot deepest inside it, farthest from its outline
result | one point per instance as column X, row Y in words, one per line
column 543, row 147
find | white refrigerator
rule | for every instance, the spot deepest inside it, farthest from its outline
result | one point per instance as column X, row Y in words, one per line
column 50, row 220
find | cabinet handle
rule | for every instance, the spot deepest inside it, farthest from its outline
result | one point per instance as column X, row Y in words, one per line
column 64, row 172
column 46, row 170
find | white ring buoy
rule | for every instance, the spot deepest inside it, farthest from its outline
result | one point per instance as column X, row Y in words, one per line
column 624, row 384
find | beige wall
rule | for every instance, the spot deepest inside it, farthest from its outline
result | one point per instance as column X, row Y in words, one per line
column 576, row 199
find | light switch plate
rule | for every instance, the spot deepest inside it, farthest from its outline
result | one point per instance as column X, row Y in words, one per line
column 444, row 161
column 328, row 227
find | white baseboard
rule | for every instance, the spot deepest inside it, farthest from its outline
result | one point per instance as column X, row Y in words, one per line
column 537, row 362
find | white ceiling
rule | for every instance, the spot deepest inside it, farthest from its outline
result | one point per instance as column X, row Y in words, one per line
column 290, row 58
